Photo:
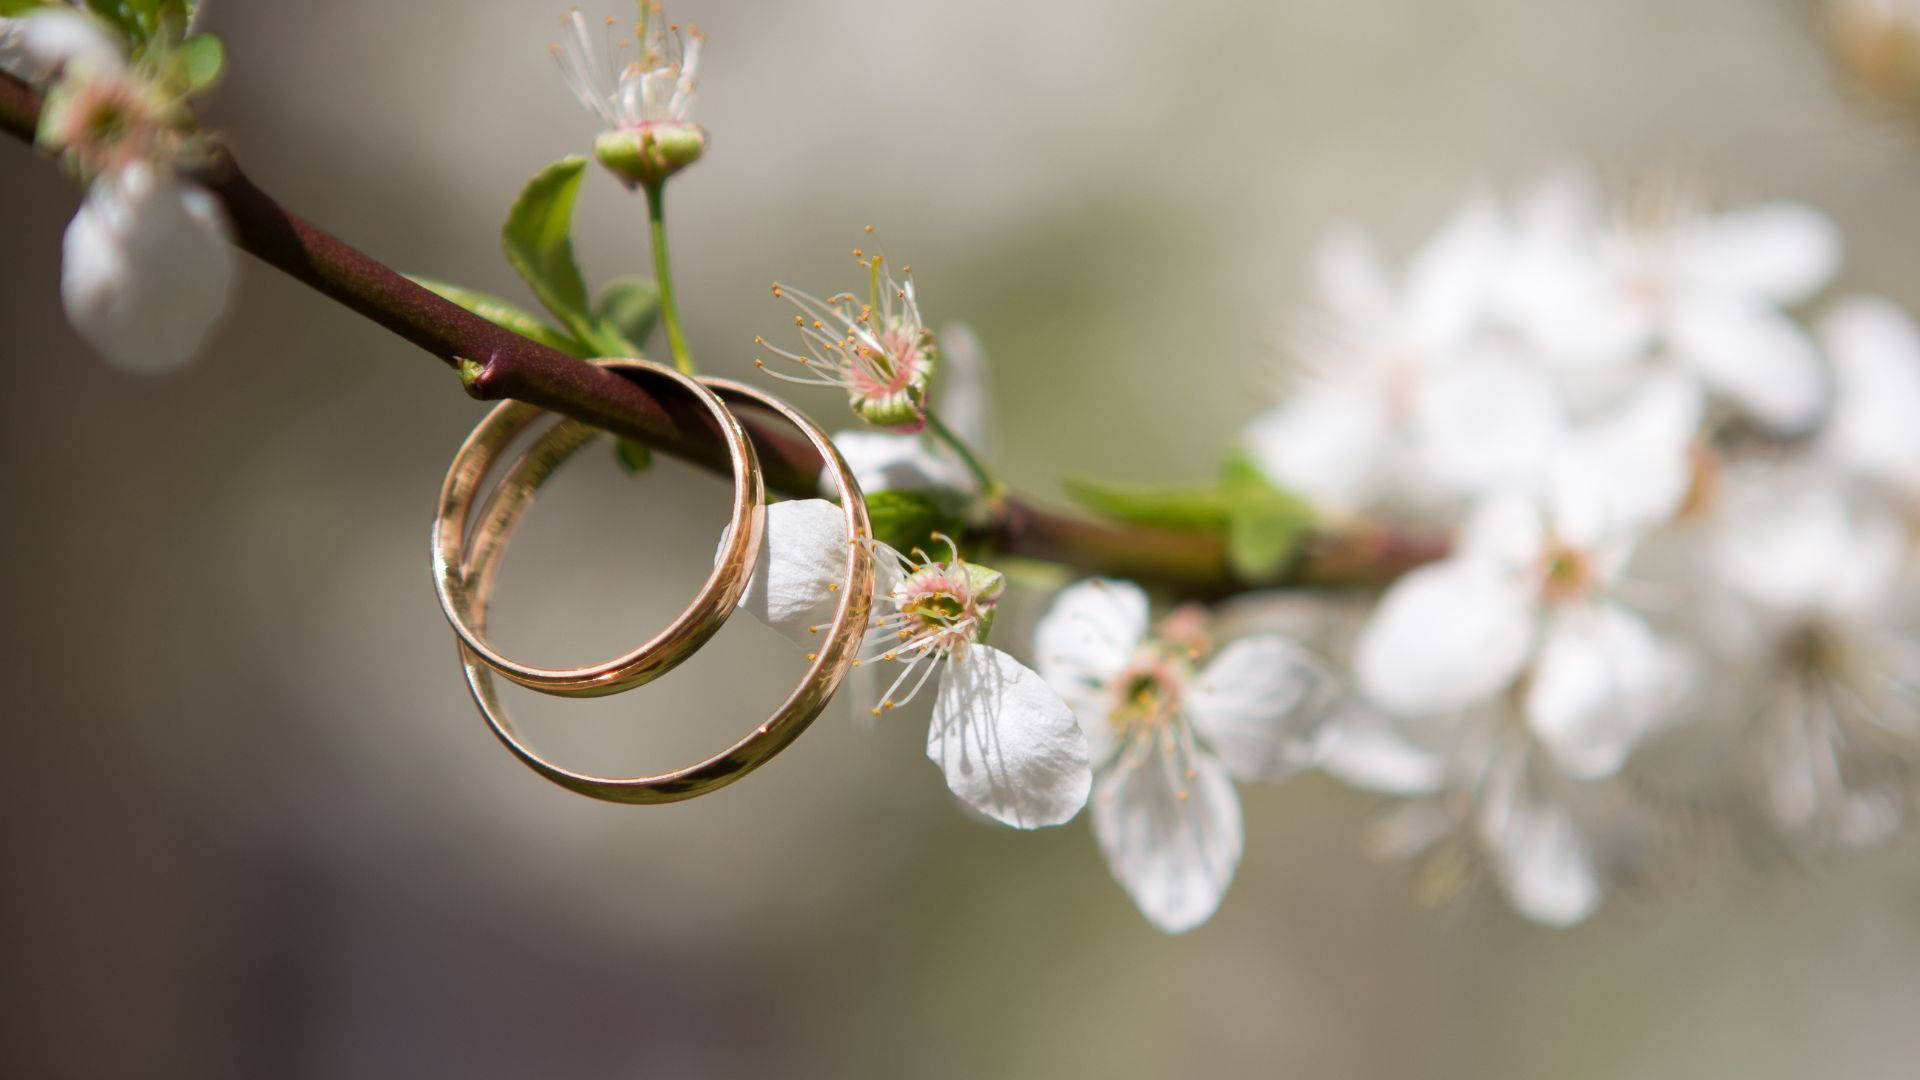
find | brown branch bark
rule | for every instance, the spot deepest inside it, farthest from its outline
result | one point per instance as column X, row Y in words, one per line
column 510, row 366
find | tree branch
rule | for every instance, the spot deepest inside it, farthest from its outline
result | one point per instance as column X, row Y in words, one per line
column 511, row 366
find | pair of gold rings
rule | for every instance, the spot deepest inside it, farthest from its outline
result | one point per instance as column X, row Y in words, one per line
column 467, row 548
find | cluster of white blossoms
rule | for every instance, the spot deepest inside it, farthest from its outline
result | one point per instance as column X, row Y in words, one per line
column 1683, row 552
column 1680, row 574
column 146, row 266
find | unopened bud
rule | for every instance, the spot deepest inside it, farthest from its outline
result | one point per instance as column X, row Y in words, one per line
column 650, row 153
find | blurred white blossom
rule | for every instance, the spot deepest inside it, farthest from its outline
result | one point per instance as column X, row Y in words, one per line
column 146, row 268
column 39, row 44
column 1836, row 686
column 1679, row 519
column 1170, row 735
column 1530, row 589
column 147, row 264
column 1376, row 414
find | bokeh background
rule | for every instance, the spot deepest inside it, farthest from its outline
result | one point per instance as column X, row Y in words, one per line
column 252, row 826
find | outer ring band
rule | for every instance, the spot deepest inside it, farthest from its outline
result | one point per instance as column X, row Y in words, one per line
column 710, row 608
column 839, row 647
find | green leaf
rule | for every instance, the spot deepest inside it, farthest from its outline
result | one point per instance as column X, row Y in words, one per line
column 907, row 519
column 1171, row 508
column 1263, row 535
column 628, row 309
column 123, row 17
column 1265, row 524
column 635, row 457
column 19, row 7
column 539, row 245
column 197, row 63
column 503, row 314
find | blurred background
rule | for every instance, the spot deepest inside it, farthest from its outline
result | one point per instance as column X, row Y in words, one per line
column 253, row 827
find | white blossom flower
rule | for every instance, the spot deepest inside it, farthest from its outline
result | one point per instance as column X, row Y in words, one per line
column 1836, row 697
column 646, row 103
column 1530, row 588
column 1874, row 430
column 1008, row 745
column 39, row 44
column 879, row 351
column 1169, row 736
column 147, row 268
column 1403, row 392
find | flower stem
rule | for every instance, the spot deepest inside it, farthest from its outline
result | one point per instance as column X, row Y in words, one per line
column 663, row 274
column 993, row 489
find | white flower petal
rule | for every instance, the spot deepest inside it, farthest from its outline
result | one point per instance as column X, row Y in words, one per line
column 1754, row 355
column 1081, row 644
column 1631, row 469
column 1172, row 840
column 1259, row 705
column 1780, row 252
column 882, row 462
column 37, row 45
column 1450, row 281
column 964, row 395
column 1540, row 856
column 803, row 551
column 146, row 268
column 1444, row 636
column 1596, row 688
column 1875, row 350
column 1326, row 443
column 1349, row 279
column 1487, row 424
column 1362, row 748
column 1505, row 532
column 1793, row 542
column 1009, row 746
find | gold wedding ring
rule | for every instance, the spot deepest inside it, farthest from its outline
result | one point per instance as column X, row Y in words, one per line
column 475, row 560
column 684, row 636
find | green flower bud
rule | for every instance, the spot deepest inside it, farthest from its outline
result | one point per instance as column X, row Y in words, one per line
column 650, row 153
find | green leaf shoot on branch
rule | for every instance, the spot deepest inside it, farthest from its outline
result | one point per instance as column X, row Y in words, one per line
column 1263, row 525
column 905, row 520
